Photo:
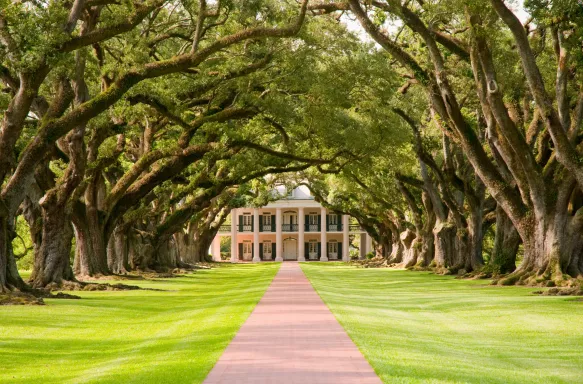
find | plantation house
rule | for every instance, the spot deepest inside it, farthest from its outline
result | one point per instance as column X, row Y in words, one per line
column 295, row 227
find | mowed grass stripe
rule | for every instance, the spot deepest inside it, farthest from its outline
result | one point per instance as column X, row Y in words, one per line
column 416, row 327
column 170, row 336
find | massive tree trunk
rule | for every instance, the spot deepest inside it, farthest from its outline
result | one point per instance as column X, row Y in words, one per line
column 506, row 243
column 445, row 243
column 551, row 252
column 9, row 277
column 411, row 244
column 140, row 249
column 199, row 240
column 92, row 239
column 118, row 251
column 52, row 262
column 396, row 255
column 474, row 260
column 32, row 213
column 552, row 242
column 165, row 255
column 427, row 252
column 91, row 250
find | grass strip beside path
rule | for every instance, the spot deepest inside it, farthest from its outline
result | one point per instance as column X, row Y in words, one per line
column 170, row 336
column 416, row 327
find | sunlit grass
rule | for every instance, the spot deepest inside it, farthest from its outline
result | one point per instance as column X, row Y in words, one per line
column 415, row 327
column 170, row 336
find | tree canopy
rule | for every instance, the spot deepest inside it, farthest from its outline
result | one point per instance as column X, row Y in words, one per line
column 130, row 129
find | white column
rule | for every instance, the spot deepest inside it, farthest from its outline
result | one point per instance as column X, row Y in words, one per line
column 345, row 239
column 216, row 248
column 301, row 243
column 278, row 236
column 323, row 232
column 256, row 257
column 234, row 244
column 368, row 246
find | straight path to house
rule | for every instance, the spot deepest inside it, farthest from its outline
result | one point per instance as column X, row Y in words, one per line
column 292, row 338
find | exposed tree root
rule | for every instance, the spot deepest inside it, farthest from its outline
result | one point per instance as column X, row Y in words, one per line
column 32, row 297
column 547, row 276
column 486, row 272
column 375, row 262
column 20, row 298
column 84, row 286
column 574, row 291
column 149, row 274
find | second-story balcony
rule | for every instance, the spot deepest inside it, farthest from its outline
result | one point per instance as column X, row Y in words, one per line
column 289, row 227
column 312, row 227
column 266, row 228
column 245, row 228
column 334, row 227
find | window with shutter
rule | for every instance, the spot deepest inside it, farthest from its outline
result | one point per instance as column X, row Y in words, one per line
column 247, row 222
column 266, row 223
column 333, row 223
column 313, row 220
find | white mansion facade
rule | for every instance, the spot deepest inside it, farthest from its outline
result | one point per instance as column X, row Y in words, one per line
column 293, row 228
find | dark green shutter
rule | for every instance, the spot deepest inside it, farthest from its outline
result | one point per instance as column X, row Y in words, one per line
column 252, row 222
column 319, row 222
column 339, row 221
column 319, row 249
column 260, row 248
column 340, row 254
column 240, row 251
column 327, row 223
column 240, row 223
column 273, row 248
column 272, row 223
column 260, row 223
column 307, row 251
column 307, row 223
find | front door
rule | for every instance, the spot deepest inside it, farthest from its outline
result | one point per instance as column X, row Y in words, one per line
column 248, row 251
column 313, row 250
column 290, row 249
column 333, row 250
column 267, row 250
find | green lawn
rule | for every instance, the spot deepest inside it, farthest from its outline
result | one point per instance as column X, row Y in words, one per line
column 170, row 336
column 415, row 327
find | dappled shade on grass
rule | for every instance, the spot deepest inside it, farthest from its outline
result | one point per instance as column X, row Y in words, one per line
column 416, row 327
column 170, row 336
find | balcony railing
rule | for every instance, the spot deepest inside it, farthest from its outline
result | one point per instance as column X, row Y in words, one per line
column 334, row 227
column 266, row 228
column 289, row 227
column 312, row 228
column 292, row 228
